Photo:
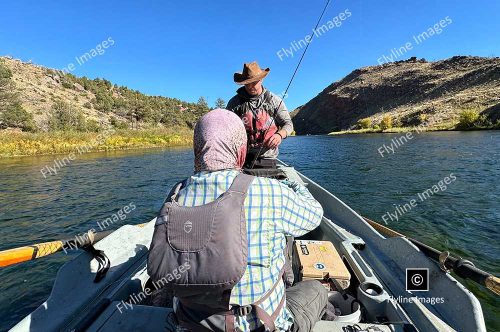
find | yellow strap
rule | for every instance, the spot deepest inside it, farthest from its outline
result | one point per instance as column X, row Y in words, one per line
column 493, row 284
column 48, row 248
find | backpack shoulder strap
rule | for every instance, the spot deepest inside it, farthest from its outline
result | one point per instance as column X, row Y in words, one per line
column 241, row 184
column 172, row 196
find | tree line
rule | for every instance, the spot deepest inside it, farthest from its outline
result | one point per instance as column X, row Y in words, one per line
column 124, row 108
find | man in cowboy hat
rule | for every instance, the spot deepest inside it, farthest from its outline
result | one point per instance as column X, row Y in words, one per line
column 264, row 115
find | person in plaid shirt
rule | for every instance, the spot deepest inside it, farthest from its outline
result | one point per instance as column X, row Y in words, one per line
column 272, row 209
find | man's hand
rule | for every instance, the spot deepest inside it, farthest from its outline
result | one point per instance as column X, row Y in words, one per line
column 274, row 141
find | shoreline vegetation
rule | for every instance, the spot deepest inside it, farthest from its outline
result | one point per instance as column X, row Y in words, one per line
column 18, row 143
column 397, row 130
column 46, row 111
column 469, row 119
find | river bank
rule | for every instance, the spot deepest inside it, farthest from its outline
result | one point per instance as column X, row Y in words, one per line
column 396, row 130
column 16, row 143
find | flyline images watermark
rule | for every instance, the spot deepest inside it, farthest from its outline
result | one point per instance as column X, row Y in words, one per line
column 398, row 52
column 59, row 163
column 400, row 210
column 115, row 218
column 422, row 299
column 137, row 298
column 295, row 46
column 397, row 142
column 98, row 50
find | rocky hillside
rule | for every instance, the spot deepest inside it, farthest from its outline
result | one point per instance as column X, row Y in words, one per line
column 407, row 93
column 35, row 98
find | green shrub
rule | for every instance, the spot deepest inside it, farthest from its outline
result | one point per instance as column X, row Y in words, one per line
column 468, row 119
column 483, row 121
column 16, row 116
column 103, row 101
column 67, row 85
column 4, row 71
column 92, row 125
column 386, row 122
column 7, row 97
column 422, row 118
column 118, row 124
column 119, row 103
column 364, row 123
column 397, row 123
column 65, row 117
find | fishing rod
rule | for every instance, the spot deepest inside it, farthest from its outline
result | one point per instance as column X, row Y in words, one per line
column 447, row 262
column 289, row 84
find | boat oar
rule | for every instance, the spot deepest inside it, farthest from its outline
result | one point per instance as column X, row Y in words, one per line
column 462, row 267
column 32, row 252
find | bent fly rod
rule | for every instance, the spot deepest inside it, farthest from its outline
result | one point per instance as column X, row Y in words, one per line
column 289, row 83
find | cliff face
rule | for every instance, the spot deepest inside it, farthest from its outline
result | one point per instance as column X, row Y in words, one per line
column 412, row 92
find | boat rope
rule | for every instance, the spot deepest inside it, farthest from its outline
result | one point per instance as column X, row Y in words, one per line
column 309, row 39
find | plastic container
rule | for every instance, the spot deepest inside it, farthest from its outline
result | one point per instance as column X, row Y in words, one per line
column 350, row 311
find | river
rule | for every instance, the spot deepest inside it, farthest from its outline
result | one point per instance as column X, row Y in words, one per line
column 43, row 198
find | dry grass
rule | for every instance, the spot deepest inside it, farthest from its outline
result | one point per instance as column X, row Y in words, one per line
column 14, row 143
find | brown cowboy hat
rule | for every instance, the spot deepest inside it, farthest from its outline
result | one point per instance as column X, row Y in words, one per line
column 251, row 73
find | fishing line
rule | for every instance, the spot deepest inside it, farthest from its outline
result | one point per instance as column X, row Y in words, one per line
column 290, row 83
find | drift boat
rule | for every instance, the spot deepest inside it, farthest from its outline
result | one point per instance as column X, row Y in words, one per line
column 377, row 266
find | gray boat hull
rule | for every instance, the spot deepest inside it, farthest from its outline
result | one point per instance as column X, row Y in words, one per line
column 76, row 303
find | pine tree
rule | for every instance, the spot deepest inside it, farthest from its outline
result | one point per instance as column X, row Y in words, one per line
column 202, row 103
column 220, row 103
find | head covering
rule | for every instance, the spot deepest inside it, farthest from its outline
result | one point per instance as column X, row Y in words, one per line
column 251, row 73
column 220, row 141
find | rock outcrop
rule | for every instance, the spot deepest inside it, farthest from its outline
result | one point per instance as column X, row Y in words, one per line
column 412, row 92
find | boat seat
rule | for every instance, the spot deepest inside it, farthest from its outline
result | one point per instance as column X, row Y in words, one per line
column 138, row 318
column 327, row 326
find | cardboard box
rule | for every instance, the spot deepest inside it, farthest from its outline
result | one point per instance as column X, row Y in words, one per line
column 318, row 259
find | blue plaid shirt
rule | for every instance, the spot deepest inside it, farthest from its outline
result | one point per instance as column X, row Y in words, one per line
column 272, row 210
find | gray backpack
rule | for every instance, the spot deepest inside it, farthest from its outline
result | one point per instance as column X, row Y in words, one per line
column 200, row 253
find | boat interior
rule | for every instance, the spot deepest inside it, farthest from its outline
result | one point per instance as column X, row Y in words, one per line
column 124, row 299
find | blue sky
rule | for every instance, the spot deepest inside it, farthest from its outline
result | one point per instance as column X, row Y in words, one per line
column 188, row 49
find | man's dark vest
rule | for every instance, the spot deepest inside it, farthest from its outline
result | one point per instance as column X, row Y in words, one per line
column 200, row 253
column 257, row 115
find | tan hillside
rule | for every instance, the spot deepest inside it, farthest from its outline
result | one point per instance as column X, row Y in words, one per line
column 50, row 96
column 411, row 92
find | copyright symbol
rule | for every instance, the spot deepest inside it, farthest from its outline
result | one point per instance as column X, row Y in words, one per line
column 417, row 279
